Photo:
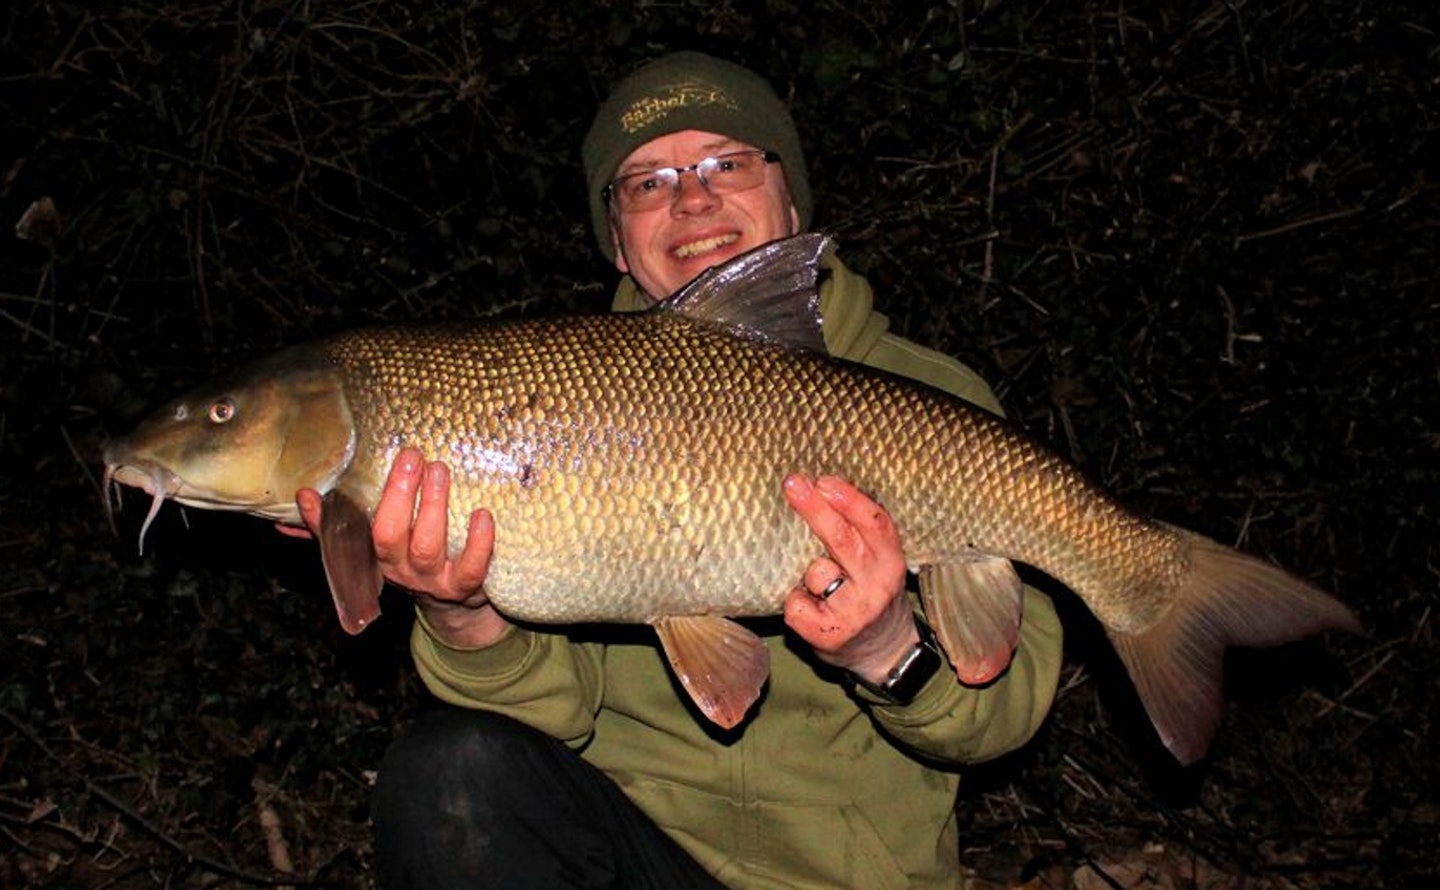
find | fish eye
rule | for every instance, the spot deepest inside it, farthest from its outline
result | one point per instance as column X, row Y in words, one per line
column 222, row 411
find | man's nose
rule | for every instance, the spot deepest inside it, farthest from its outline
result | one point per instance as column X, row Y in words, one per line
column 692, row 195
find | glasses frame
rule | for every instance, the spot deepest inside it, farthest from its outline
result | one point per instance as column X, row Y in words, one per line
column 607, row 194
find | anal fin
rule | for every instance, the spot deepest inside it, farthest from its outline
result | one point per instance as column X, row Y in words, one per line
column 722, row 664
column 351, row 567
column 974, row 606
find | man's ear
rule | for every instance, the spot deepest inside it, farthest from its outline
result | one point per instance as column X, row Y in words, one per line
column 620, row 263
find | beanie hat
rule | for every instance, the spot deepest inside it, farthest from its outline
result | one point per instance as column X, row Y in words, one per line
column 688, row 91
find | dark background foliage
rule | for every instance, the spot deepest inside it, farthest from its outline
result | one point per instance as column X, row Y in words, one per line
column 1193, row 246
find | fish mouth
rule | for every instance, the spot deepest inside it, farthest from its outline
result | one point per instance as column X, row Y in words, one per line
column 164, row 484
column 155, row 480
column 704, row 245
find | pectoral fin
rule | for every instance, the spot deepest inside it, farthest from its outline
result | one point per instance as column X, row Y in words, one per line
column 720, row 663
column 351, row 567
column 974, row 606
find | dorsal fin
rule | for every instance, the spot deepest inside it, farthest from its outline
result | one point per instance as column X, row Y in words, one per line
column 771, row 292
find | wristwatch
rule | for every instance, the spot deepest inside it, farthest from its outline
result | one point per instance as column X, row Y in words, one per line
column 911, row 672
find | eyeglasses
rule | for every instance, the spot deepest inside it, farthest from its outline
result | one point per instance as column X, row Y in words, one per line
column 724, row 174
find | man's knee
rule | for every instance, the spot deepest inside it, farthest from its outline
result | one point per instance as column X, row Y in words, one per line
column 445, row 751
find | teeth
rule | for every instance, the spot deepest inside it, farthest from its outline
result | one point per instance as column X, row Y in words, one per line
column 685, row 251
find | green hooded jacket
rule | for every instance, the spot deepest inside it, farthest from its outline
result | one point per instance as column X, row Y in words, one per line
column 823, row 787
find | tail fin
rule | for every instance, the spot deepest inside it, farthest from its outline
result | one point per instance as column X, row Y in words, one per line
column 1226, row 599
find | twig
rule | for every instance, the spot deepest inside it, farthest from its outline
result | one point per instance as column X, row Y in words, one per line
column 270, row 825
column 81, row 462
column 29, row 328
column 987, row 272
column 1297, row 224
column 1369, row 675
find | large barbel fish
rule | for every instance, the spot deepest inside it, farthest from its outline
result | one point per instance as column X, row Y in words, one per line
column 633, row 465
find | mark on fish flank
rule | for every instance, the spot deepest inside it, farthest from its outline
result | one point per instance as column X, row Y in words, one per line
column 671, row 519
column 667, row 517
column 529, row 476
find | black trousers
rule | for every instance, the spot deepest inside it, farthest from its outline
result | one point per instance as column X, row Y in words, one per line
column 469, row 799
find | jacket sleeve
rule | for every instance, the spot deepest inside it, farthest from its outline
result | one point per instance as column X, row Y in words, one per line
column 961, row 724
column 544, row 680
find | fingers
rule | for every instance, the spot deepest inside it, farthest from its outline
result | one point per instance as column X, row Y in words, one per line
column 843, row 517
column 816, row 508
column 823, row 578
column 393, row 515
column 473, row 565
column 309, row 501
column 291, row 531
column 411, row 533
column 411, row 524
column 857, row 532
column 429, row 534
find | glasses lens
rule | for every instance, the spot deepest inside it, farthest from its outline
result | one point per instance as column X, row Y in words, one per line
column 651, row 189
column 641, row 191
column 733, row 172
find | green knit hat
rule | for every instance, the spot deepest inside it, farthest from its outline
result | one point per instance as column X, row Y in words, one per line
column 688, row 91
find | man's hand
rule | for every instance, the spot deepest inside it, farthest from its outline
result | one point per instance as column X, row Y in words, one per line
column 410, row 531
column 865, row 625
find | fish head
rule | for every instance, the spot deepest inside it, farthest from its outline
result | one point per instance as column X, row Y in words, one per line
column 243, row 443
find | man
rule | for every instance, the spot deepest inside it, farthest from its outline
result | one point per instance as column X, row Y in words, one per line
column 573, row 760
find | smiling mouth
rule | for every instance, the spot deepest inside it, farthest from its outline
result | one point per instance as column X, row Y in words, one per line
column 695, row 248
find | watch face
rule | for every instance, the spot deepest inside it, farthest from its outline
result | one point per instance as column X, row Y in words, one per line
column 913, row 673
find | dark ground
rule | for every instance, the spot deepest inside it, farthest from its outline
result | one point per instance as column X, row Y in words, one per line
column 1194, row 246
